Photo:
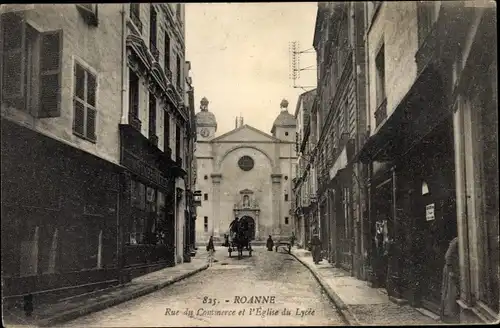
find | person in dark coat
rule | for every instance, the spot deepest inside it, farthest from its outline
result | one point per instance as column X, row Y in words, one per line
column 233, row 227
column 270, row 243
column 316, row 249
column 211, row 250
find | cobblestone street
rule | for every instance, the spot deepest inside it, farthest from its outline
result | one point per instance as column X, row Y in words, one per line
column 266, row 273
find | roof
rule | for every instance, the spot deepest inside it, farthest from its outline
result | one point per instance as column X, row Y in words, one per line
column 249, row 127
column 284, row 119
column 307, row 98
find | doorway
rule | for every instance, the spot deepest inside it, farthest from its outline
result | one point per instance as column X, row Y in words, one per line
column 382, row 227
column 250, row 223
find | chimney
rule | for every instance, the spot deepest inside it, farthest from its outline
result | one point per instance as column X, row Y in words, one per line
column 236, row 122
column 241, row 120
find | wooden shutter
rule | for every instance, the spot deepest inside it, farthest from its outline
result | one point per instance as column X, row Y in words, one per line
column 91, row 123
column 50, row 74
column 13, row 59
column 79, row 119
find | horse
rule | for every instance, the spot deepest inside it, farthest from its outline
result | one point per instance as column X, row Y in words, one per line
column 241, row 239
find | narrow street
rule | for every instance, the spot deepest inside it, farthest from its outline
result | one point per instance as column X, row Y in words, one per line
column 275, row 276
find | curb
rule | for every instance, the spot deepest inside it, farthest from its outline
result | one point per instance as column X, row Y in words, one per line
column 349, row 317
column 85, row 310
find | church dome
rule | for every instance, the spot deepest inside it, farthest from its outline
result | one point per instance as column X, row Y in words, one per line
column 204, row 117
column 284, row 118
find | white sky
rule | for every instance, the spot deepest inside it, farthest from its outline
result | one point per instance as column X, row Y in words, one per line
column 239, row 54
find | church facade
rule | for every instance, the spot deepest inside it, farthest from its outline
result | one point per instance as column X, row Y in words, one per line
column 245, row 173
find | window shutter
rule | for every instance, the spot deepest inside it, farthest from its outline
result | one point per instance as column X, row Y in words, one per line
column 91, row 123
column 79, row 119
column 50, row 74
column 13, row 59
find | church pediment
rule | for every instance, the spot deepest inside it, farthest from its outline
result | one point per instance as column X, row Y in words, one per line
column 245, row 133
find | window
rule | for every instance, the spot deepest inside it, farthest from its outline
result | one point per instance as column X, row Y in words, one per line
column 31, row 61
column 286, row 197
column 166, row 131
column 133, row 94
column 205, row 177
column 152, row 115
column 286, row 220
column 88, row 11
column 286, row 134
column 153, row 32
column 205, row 196
column 84, row 100
column 246, row 163
column 179, row 72
column 205, row 223
column 177, row 141
column 135, row 15
column 166, row 65
column 380, row 76
column 286, row 177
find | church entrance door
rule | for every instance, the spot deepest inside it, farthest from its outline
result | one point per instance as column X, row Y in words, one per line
column 251, row 225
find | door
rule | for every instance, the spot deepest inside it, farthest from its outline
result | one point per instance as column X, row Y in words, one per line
column 382, row 228
column 250, row 223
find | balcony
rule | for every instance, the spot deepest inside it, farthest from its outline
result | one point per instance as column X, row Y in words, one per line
column 135, row 122
column 168, row 73
column 381, row 113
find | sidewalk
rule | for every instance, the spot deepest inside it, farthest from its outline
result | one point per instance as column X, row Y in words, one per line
column 72, row 308
column 360, row 304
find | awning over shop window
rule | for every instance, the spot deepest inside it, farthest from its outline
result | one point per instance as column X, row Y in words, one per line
column 339, row 164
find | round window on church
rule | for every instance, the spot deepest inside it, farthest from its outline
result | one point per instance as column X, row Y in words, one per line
column 246, row 163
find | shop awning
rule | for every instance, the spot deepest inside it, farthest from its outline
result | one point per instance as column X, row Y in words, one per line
column 339, row 164
column 422, row 109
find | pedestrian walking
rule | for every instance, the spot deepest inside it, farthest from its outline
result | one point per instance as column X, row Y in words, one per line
column 270, row 243
column 292, row 239
column 316, row 249
column 210, row 250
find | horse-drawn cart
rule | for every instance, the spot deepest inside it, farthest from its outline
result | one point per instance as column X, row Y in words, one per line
column 240, row 238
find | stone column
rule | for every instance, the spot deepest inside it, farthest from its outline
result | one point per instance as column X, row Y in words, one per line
column 276, row 212
column 216, row 220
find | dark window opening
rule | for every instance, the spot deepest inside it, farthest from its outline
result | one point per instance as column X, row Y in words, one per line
column 166, row 131
column 286, row 177
column 380, row 75
column 167, row 56
column 286, row 133
column 286, row 197
column 177, row 141
column 153, row 32
column 205, row 223
column 152, row 115
column 286, row 220
column 133, row 94
column 179, row 72
column 205, row 196
column 205, row 177
column 135, row 16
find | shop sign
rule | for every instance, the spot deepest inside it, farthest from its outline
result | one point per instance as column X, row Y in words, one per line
column 429, row 212
column 142, row 169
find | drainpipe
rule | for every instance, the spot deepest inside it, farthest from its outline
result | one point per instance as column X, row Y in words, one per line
column 124, row 119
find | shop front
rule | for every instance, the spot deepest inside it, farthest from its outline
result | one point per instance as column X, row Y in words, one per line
column 148, row 206
column 411, row 212
column 59, row 217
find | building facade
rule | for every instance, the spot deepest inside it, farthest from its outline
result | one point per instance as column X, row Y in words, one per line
column 302, row 182
column 245, row 173
column 338, row 41
column 92, row 191
column 432, row 153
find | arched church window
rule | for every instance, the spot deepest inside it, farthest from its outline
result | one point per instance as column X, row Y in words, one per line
column 246, row 163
